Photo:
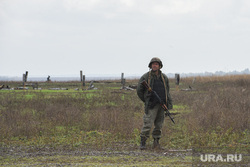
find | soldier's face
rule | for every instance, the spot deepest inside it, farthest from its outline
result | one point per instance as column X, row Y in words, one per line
column 155, row 66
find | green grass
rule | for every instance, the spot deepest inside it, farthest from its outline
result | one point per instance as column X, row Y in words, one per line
column 180, row 109
column 108, row 118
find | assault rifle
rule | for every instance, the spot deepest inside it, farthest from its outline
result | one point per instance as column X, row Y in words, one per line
column 163, row 105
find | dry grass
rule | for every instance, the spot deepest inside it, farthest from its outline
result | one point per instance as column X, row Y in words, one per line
column 217, row 103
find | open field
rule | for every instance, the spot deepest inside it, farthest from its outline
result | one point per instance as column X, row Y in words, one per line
column 102, row 127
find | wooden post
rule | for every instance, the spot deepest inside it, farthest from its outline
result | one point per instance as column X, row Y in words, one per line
column 123, row 83
column 48, row 78
column 83, row 81
column 81, row 75
column 122, row 77
column 177, row 81
column 91, row 86
column 26, row 76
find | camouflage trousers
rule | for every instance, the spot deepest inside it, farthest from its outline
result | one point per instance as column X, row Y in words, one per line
column 154, row 116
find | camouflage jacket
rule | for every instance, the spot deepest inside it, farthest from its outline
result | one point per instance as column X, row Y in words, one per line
column 143, row 93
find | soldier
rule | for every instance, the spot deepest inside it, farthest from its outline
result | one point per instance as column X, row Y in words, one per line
column 154, row 113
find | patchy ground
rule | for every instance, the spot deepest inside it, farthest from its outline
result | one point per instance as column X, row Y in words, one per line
column 20, row 156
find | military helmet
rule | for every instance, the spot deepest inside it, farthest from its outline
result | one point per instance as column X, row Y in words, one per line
column 155, row 59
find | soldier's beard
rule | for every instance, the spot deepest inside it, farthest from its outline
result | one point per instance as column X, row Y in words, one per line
column 155, row 70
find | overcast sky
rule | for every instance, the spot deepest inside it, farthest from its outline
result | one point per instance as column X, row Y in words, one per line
column 62, row 37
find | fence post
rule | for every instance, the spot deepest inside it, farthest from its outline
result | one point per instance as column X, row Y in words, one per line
column 123, row 80
column 48, row 79
column 25, row 77
column 122, row 77
column 91, row 86
column 83, row 81
column 177, row 81
column 81, row 75
column 123, row 83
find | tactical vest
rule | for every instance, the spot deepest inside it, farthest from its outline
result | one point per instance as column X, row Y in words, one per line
column 164, row 87
column 158, row 87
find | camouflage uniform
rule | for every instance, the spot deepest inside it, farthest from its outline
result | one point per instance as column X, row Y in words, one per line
column 154, row 113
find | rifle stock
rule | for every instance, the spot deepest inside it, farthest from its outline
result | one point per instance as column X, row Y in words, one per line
column 145, row 84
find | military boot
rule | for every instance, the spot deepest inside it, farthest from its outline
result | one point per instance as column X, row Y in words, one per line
column 156, row 144
column 143, row 143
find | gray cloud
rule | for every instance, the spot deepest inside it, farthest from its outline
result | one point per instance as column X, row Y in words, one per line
column 113, row 36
